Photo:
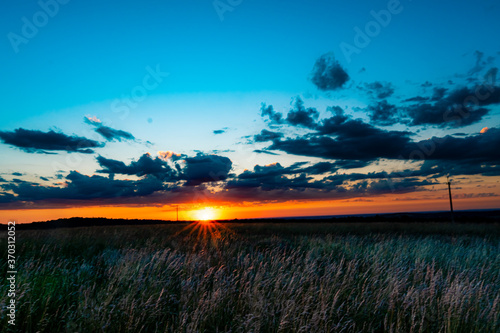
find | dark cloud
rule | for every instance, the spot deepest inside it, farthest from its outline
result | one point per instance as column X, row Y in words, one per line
column 274, row 177
column 378, row 144
column 480, row 95
column 374, row 183
column 441, row 115
column 477, row 148
column 34, row 141
column 268, row 111
column 416, row 99
column 158, row 182
column 274, row 169
column 320, row 168
column 441, row 168
column 298, row 115
column 18, row 174
column 206, row 168
column 353, row 143
column 145, row 165
column 351, row 164
column 461, row 107
column 112, row 134
column 491, row 76
column 393, row 186
column 274, row 181
column 449, row 155
column 108, row 133
column 480, row 63
column 328, row 74
column 383, row 113
column 261, row 151
column 82, row 187
column 439, row 93
column 302, row 116
column 195, row 170
column 7, row 198
column 270, row 183
column 343, row 142
column 271, row 177
column 379, row 89
column 332, row 124
column 340, row 137
column 266, row 135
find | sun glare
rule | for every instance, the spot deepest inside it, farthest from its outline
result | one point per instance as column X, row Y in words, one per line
column 205, row 214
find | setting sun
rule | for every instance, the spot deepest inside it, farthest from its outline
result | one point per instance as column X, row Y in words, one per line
column 205, row 214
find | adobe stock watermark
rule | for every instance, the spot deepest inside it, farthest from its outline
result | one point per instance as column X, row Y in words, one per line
column 139, row 93
column 364, row 36
column 31, row 26
column 223, row 6
column 11, row 273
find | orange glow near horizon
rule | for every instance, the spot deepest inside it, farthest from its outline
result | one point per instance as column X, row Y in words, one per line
column 227, row 211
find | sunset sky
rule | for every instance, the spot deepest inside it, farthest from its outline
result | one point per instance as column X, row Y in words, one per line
column 247, row 108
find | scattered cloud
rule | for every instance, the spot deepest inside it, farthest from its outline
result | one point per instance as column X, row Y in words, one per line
column 145, row 165
column 380, row 90
column 460, row 107
column 266, row 135
column 383, row 113
column 416, row 99
column 82, row 187
column 108, row 133
column 205, row 168
column 261, row 151
column 328, row 74
column 273, row 116
column 439, row 93
column 480, row 63
column 302, row 116
column 221, row 131
column 34, row 141
column 340, row 144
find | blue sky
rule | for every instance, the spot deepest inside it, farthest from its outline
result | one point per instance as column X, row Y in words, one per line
column 223, row 59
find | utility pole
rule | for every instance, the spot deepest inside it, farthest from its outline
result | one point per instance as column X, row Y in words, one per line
column 177, row 213
column 451, row 202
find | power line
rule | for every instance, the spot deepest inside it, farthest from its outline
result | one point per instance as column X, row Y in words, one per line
column 451, row 202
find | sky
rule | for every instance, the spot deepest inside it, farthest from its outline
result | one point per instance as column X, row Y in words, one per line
column 247, row 108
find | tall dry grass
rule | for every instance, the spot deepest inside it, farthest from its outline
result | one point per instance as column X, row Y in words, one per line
column 253, row 279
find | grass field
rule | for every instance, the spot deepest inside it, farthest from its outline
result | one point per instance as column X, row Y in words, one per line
column 300, row 277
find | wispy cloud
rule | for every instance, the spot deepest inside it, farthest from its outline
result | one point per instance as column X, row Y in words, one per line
column 107, row 132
